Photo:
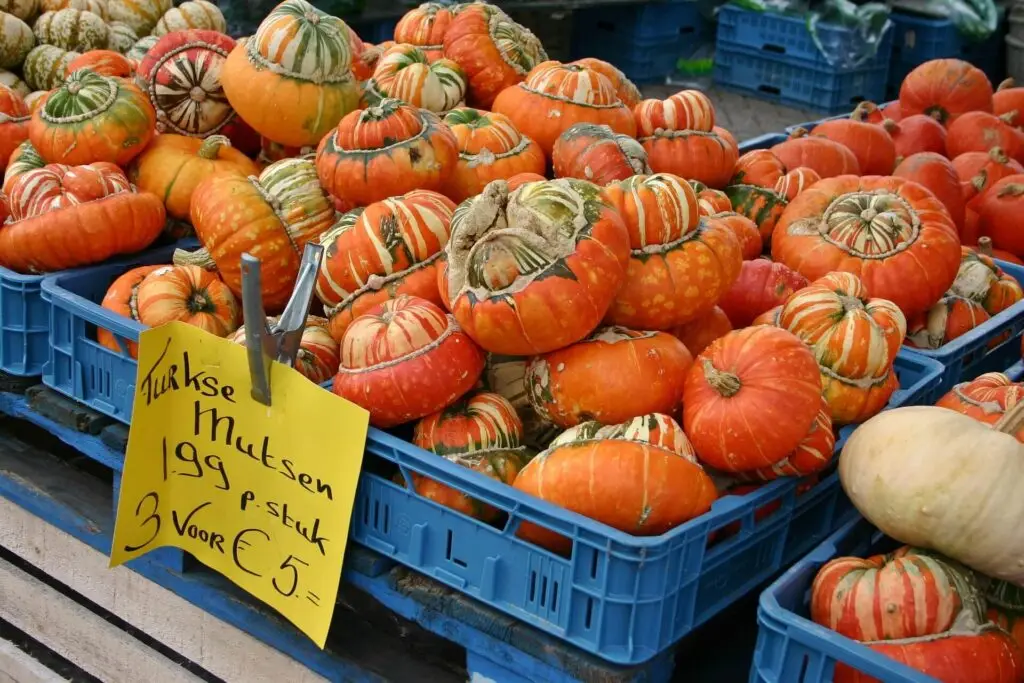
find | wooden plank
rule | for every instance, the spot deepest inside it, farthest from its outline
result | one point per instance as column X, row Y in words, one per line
column 17, row 666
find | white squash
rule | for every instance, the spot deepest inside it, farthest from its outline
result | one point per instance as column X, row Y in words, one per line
column 937, row 479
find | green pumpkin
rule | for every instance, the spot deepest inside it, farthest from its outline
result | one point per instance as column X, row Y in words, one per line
column 122, row 37
column 16, row 41
column 45, row 66
column 138, row 51
column 759, row 204
column 72, row 29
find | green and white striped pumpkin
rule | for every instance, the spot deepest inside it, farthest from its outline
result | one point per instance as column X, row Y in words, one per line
column 25, row 158
column 97, row 7
column 141, row 48
column 45, row 66
column 16, row 40
column 194, row 14
column 122, row 37
column 299, row 40
column 12, row 81
column 141, row 15
column 72, row 29
column 26, row 10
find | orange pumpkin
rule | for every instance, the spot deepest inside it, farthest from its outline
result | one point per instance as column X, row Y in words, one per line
column 915, row 134
column 173, row 165
column 536, row 270
column 374, row 254
column 67, row 216
column 121, row 299
column 945, row 89
column 825, row 157
column 555, row 96
column 318, row 356
column 190, row 295
column 871, row 145
column 103, row 62
column 613, row 375
column 981, row 170
column 951, row 317
column 985, row 398
column 425, row 26
column 999, row 211
column 679, row 265
column 493, row 50
column 750, row 398
column 744, row 229
column 385, row 151
column 813, row 454
column 795, row 182
column 597, row 153
column 695, row 155
column 1008, row 98
column 893, row 234
column 758, row 167
column 404, row 360
column 762, row 205
column 366, row 58
column 520, row 179
column 698, row 334
column 628, row 93
column 656, row 484
column 14, row 118
column 490, row 148
column 981, row 279
column 271, row 217
column 686, row 110
column 292, row 80
column 710, row 201
column 980, row 131
column 937, row 174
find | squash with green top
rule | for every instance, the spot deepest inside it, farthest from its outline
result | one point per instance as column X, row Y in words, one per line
column 23, row 159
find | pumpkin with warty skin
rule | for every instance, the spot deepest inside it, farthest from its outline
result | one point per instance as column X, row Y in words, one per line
column 892, row 233
column 404, row 360
column 555, row 96
column 999, row 211
column 14, row 118
column 744, row 229
column 45, row 66
column 121, row 38
column 92, row 118
column 915, row 134
column 758, row 167
column 385, row 151
column 685, row 110
column 611, row 376
column 596, row 153
column 750, row 398
column 694, row 155
column 425, row 26
column 938, row 174
column 760, row 286
column 190, row 295
column 24, row 158
column 855, row 340
column 908, row 593
column 494, row 51
column 404, row 72
column 173, row 165
column 762, row 205
column 271, row 217
column 318, row 356
column 103, row 62
column 121, row 298
column 945, row 89
column 679, row 265
column 18, row 41
column 795, row 182
column 506, row 376
column 698, row 334
column 68, row 216
column 141, row 15
column 375, row 254
column 827, row 158
column 480, row 431
column 871, row 145
column 658, row 483
column 292, row 81
column 980, row 131
column 72, row 29
column 191, row 15
column 813, row 455
column 535, row 270
column 627, row 91
column 985, row 398
column 490, row 148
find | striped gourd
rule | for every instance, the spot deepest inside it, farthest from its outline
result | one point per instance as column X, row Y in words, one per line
column 141, row 15
column 318, row 355
column 142, row 46
column 686, row 110
column 98, row 7
column 72, row 29
column 197, row 14
column 405, row 73
column 16, row 40
column 25, row 158
column 12, row 81
column 121, row 37
column 424, row 26
column 303, row 42
column 45, row 66
column 26, row 10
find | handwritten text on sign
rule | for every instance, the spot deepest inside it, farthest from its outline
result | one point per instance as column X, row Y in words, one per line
column 261, row 494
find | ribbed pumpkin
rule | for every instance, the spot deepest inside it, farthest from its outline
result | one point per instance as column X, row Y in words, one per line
column 480, row 431
column 813, row 455
column 72, row 29
column 658, row 483
column 555, row 96
column 536, row 270
column 24, row 158
column 985, row 398
column 758, row 167
column 137, row 52
column 292, row 81
column 613, row 375
column 627, row 91
column 686, row 110
column 121, row 37
column 906, row 594
column 999, row 211
column 915, row 134
column 750, row 398
column 97, row 7
column 425, row 26
column 121, row 298
column 985, row 169
column 14, row 118
column 67, row 216
column 12, row 81
column 870, row 144
column 763, row 205
column 318, row 356
column 18, row 41
column 271, row 217
column 490, row 148
column 698, row 334
column 141, row 15
column 827, row 158
column 892, row 233
column 404, row 360
column 520, row 179
column 855, row 340
column 695, row 155
column 743, row 228
column 404, row 72
column 936, row 173
column 795, row 182
column 92, row 118
column 385, row 151
column 45, row 66
column 187, row 294
column 172, row 166
column 596, row 153
column 190, row 15
column 492, row 49
column 373, row 255
column 950, row 317
column 22, row 9
column 980, row 131
column 945, row 89
column 679, row 265
column 103, row 62
column 506, row 376
column 710, row 201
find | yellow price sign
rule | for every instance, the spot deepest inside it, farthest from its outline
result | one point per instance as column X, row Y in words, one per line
column 262, row 494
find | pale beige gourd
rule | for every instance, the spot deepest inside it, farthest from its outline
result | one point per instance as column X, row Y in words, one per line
column 933, row 478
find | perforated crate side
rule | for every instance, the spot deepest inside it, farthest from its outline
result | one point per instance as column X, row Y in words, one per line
column 24, row 324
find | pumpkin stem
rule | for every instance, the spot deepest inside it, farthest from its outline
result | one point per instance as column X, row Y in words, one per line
column 1011, row 190
column 211, row 146
column 985, row 246
column 1005, row 85
column 850, row 303
column 980, row 180
column 891, row 127
column 1009, row 118
column 899, row 160
column 799, row 133
column 725, row 383
column 200, row 257
column 863, row 111
column 1012, row 420
column 997, row 155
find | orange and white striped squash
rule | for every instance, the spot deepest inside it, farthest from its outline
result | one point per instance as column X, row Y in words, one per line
column 813, row 454
column 758, row 167
column 319, row 354
column 950, row 317
column 710, row 201
column 686, row 110
column 980, row 279
column 425, row 26
column 855, row 340
column 624, row 88
column 679, row 265
column 374, row 254
column 506, row 376
column 795, row 182
column 985, row 398
column 23, row 159
column 554, row 97
column 406, row 359
column 14, row 118
column 596, row 153
column 405, row 73
column 187, row 294
column 696, row 155
column 122, row 298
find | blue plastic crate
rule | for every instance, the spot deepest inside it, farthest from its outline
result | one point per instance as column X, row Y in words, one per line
column 809, row 125
column 595, row 27
column 788, row 40
column 641, row 61
column 24, row 324
column 1016, row 371
column 969, row 355
column 793, row 649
